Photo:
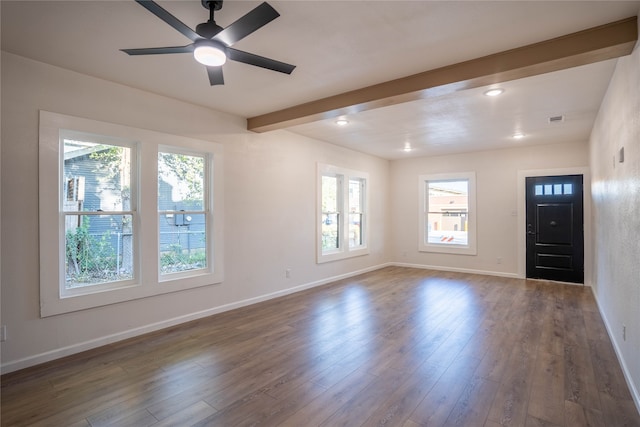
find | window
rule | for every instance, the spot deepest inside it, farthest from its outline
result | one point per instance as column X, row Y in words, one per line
column 342, row 228
column 97, row 210
column 447, row 213
column 102, row 241
column 182, row 230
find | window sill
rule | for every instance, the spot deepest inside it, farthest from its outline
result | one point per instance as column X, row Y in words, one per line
column 336, row 256
column 449, row 249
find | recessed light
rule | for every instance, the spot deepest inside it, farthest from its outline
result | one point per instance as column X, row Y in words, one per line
column 494, row 92
column 342, row 122
column 518, row 135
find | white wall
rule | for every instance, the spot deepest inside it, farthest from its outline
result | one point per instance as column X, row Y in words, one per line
column 616, row 213
column 499, row 207
column 270, row 182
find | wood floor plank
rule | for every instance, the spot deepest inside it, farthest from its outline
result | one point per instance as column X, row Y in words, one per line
column 327, row 403
column 574, row 414
column 618, row 412
column 401, row 403
column 443, row 396
column 552, row 334
column 189, row 415
column 580, row 382
column 494, row 363
column 537, row 422
column 361, row 406
column 474, row 403
column 546, row 401
column 287, row 405
column 141, row 418
column 397, row 346
column 509, row 407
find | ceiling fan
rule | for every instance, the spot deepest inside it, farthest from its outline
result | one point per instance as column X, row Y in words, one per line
column 211, row 43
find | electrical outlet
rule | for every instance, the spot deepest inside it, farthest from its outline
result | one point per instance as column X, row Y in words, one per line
column 3, row 333
column 624, row 333
column 287, row 273
column 499, row 261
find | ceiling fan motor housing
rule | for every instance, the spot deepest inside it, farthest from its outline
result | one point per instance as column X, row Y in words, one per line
column 208, row 29
column 207, row 4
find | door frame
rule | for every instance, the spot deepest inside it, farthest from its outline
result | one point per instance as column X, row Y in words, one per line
column 522, row 221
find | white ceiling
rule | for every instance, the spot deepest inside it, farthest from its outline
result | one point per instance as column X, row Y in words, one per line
column 339, row 46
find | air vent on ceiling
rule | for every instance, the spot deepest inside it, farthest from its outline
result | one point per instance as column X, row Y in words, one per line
column 556, row 119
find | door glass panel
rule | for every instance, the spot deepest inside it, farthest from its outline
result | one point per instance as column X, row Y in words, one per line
column 568, row 188
column 548, row 189
column 539, row 190
column 557, row 189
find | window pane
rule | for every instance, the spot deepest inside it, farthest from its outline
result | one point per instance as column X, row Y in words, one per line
column 355, row 195
column 330, row 234
column 329, row 194
column 557, row 189
column 356, row 207
column 180, row 182
column 548, row 189
column 96, row 177
column 183, row 236
column 99, row 249
column 330, row 216
column 539, row 190
column 183, row 242
column 448, row 211
column 568, row 188
column 355, row 230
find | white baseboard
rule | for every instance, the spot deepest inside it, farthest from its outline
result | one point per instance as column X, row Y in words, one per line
column 58, row 353
column 627, row 375
column 458, row 270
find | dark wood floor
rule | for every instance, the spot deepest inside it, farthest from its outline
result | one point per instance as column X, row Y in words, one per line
column 398, row 346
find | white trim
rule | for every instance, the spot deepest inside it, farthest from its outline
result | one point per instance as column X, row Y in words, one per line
column 471, row 247
column 625, row 370
column 522, row 209
column 344, row 175
column 112, row 338
column 457, row 270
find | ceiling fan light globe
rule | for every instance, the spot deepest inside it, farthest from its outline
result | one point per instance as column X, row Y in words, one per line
column 209, row 55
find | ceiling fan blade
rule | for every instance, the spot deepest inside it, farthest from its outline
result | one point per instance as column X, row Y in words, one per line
column 161, row 13
column 159, row 50
column 246, row 25
column 259, row 61
column 215, row 76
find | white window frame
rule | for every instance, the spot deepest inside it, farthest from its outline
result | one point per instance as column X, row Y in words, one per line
column 133, row 211
column 343, row 251
column 423, row 245
column 208, row 196
column 53, row 299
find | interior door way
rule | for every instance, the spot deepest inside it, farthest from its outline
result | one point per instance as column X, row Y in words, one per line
column 555, row 228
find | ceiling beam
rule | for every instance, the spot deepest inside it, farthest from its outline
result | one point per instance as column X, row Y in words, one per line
column 584, row 47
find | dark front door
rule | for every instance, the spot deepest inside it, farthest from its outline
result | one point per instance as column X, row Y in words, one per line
column 555, row 231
